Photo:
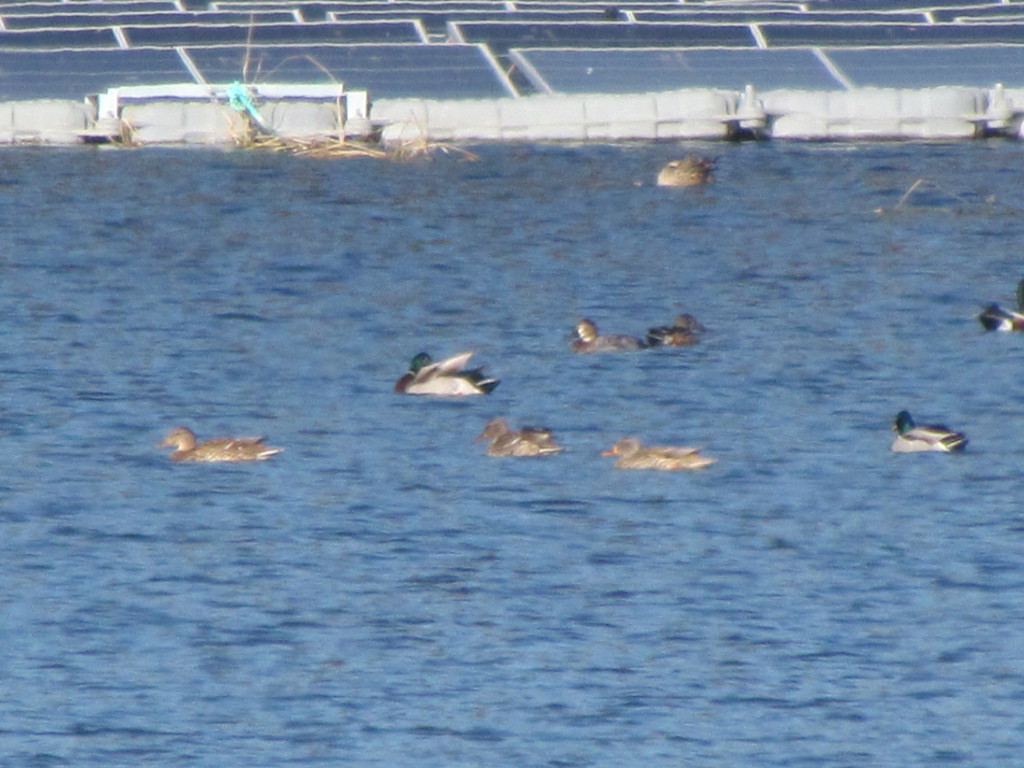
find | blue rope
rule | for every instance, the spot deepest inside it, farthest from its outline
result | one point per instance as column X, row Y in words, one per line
column 240, row 101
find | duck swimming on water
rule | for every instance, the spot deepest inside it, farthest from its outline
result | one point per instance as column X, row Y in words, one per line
column 445, row 378
column 183, row 440
column 528, row 441
column 587, row 339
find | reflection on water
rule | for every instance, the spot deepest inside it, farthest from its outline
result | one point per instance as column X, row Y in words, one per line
column 385, row 592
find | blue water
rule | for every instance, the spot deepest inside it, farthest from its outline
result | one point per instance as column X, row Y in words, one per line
column 383, row 593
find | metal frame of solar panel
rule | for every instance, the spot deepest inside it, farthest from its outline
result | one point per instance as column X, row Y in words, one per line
column 387, row 70
column 390, row 31
column 887, row 35
column 636, row 70
column 80, row 73
column 929, row 67
column 607, row 34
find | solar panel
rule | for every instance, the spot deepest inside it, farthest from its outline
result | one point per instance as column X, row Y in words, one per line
column 639, row 70
column 387, row 71
column 71, row 20
column 274, row 34
column 435, row 21
column 76, row 74
column 57, row 39
column 921, row 67
column 612, row 34
column 745, row 15
column 853, row 5
column 890, row 35
column 87, row 6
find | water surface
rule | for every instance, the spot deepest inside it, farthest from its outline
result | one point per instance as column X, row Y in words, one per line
column 383, row 593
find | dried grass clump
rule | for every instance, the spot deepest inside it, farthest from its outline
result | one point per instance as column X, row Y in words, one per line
column 327, row 149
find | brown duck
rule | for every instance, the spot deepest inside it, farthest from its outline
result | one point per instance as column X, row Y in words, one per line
column 691, row 171
column 632, row 455
column 529, row 441
column 684, row 332
column 183, row 440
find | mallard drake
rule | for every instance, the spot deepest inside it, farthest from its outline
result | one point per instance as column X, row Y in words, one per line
column 587, row 339
column 913, row 438
column 995, row 318
column 633, row 455
column 684, row 332
column 183, row 440
column 528, row 441
column 691, row 171
column 445, row 378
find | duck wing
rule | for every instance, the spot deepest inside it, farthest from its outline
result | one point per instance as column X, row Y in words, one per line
column 448, row 367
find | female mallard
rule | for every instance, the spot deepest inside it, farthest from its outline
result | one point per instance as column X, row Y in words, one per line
column 913, row 438
column 183, row 440
column 587, row 339
column 995, row 318
column 528, row 441
column 684, row 332
column 691, row 171
column 632, row 455
column 445, row 378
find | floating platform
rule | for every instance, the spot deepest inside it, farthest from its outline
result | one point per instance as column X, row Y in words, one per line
column 176, row 72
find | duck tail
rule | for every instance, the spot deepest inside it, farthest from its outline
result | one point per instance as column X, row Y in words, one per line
column 954, row 442
column 994, row 318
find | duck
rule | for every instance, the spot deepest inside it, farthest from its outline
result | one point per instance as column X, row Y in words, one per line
column 684, row 332
column 690, row 171
column 444, row 378
column 528, row 441
column 995, row 318
column 633, row 455
column 587, row 339
column 183, row 440
column 914, row 438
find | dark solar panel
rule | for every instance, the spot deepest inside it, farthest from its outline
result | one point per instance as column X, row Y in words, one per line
column 611, row 34
column 890, row 35
column 76, row 74
column 744, row 15
column 87, row 6
column 987, row 14
column 86, row 20
column 387, row 71
column 640, row 70
column 920, row 67
column 275, row 34
column 57, row 39
column 895, row 5
column 435, row 21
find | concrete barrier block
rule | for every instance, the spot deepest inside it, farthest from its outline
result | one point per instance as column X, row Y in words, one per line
column 403, row 132
column 544, row 118
column 49, row 121
column 693, row 129
column 388, row 111
column 184, row 122
column 694, row 104
column 620, row 117
column 7, row 121
column 694, row 113
column 464, row 119
column 297, row 119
